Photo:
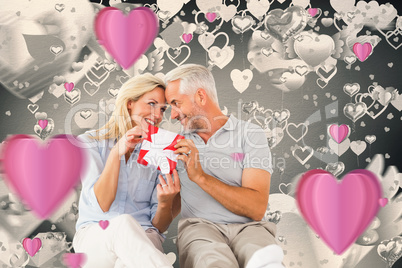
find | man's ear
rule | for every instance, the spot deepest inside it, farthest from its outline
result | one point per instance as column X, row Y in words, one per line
column 201, row 96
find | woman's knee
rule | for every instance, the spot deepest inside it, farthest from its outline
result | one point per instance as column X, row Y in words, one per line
column 125, row 221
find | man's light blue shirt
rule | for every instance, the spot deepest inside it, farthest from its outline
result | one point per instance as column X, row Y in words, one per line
column 136, row 192
column 234, row 147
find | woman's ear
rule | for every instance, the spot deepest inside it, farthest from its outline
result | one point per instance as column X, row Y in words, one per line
column 130, row 104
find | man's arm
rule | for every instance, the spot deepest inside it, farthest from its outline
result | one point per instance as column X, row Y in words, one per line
column 249, row 200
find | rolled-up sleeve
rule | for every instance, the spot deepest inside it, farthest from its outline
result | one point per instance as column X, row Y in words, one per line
column 94, row 169
column 256, row 150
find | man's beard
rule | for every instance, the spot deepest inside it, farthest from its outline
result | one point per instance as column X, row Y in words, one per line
column 197, row 121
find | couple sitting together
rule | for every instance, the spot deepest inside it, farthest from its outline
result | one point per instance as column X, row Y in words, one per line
column 220, row 187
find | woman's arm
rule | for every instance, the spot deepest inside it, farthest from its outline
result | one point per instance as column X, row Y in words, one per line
column 176, row 207
column 106, row 187
column 169, row 202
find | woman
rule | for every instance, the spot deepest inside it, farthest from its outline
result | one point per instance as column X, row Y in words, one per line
column 124, row 206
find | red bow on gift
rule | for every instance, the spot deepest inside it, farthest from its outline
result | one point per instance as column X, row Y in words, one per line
column 157, row 150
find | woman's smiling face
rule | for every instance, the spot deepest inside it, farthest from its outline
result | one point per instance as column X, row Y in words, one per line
column 149, row 109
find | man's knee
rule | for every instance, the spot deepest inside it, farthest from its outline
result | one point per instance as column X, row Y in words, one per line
column 207, row 254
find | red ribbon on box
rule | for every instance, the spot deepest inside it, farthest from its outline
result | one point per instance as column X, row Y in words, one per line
column 157, row 150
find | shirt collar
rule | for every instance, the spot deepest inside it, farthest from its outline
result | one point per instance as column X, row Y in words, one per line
column 231, row 123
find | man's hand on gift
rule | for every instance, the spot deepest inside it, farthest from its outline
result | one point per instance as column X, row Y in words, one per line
column 188, row 153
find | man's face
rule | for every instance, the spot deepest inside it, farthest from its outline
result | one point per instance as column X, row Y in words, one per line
column 184, row 108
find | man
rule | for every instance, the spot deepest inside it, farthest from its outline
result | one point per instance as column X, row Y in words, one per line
column 225, row 190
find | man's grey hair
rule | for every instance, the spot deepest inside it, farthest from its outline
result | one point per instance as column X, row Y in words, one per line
column 193, row 77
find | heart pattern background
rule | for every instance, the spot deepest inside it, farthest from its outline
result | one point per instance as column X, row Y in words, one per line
column 288, row 66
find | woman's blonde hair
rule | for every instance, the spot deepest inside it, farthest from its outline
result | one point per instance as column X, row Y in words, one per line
column 120, row 121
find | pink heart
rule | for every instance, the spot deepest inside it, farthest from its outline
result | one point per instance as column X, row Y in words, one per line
column 104, row 224
column 312, row 11
column 42, row 175
column 69, row 86
column 32, row 246
column 74, row 260
column 362, row 51
column 340, row 133
column 126, row 38
column 211, row 16
column 383, row 202
column 238, row 157
column 187, row 37
column 42, row 123
column 338, row 211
